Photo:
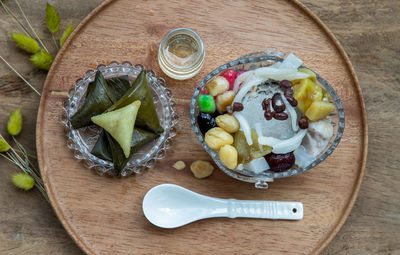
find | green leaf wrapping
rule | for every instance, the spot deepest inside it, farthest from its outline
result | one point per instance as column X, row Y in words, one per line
column 102, row 147
column 14, row 124
column 42, row 59
column 147, row 116
column 118, row 156
column 52, row 19
column 108, row 149
column 119, row 85
column 66, row 34
column 25, row 42
column 97, row 101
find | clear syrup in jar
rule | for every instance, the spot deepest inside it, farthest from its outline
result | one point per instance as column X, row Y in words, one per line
column 181, row 54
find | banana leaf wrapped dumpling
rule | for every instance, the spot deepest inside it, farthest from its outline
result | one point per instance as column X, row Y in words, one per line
column 147, row 115
column 118, row 93
column 108, row 149
column 120, row 124
column 119, row 85
column 98, row 99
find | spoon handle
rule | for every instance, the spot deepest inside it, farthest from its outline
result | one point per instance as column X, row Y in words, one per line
column 265, row 209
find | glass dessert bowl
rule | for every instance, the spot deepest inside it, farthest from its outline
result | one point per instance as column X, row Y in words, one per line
column 150, row 139
column 262, row 117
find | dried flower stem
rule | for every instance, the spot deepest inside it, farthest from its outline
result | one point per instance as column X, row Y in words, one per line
column 21, row 160
column 54, row 40
column 15, row 19
column 20, row 76
column 30, row 26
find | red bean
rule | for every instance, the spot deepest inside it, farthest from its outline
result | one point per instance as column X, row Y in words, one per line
column 265, row 103
column 280, row 162
column 286, row 84
column 288, row 92
column 269, row 115
column 237, row 107
column 303, row 122
column 281, row 115
column 292, row 101
column 277, row 103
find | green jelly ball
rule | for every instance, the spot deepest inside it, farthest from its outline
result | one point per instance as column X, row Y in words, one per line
column 207, row 103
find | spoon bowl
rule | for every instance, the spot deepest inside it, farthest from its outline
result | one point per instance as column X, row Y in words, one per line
column 172, row 206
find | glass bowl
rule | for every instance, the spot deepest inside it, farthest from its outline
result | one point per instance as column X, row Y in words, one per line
column 253, row 61
column 81, row 141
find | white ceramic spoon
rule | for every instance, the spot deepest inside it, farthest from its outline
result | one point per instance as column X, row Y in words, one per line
column 171, row 206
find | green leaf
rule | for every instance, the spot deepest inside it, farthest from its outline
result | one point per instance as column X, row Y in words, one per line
column 52, row 19
column 23, row 181
column 147, row 116
column 42, row 59
column 98, row 99
column 4, row 146
column 102, row 148
column 25, row 42
column 65, row 34
column 14, row 124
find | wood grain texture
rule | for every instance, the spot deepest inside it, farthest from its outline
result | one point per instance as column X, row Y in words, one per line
column 369, row 32
column 93, row 215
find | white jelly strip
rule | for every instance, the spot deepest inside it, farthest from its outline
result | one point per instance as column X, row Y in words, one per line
column 244, row 126
column 283, row 146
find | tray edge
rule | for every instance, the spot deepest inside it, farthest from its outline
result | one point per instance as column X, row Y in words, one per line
column 302, row 7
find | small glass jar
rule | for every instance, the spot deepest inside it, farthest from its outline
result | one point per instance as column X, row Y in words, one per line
column 181, row 53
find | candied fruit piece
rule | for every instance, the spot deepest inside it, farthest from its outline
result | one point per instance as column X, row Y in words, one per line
column 206, row 103
column 229, row 156
column 217, row 85
column 319, row 110
column 179, row 165
column 228, row 122
column 230, row 75
column 206, row 122
column 257, row 151
column 325, row 95
column 242, row 147
column 306, row 92
column 224, row 100
column 217, row 137
column 201, row 169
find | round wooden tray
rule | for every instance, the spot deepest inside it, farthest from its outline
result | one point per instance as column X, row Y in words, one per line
column 104, row 215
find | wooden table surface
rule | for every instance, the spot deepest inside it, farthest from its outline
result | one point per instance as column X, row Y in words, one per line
column 369, row 31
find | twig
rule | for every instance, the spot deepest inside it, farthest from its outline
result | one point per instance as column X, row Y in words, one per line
column 20, row 76
column 30, row 26
column 54, row 40
column 24, row 166
column 26, row 154
column 29, row 155
column 14, row 17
